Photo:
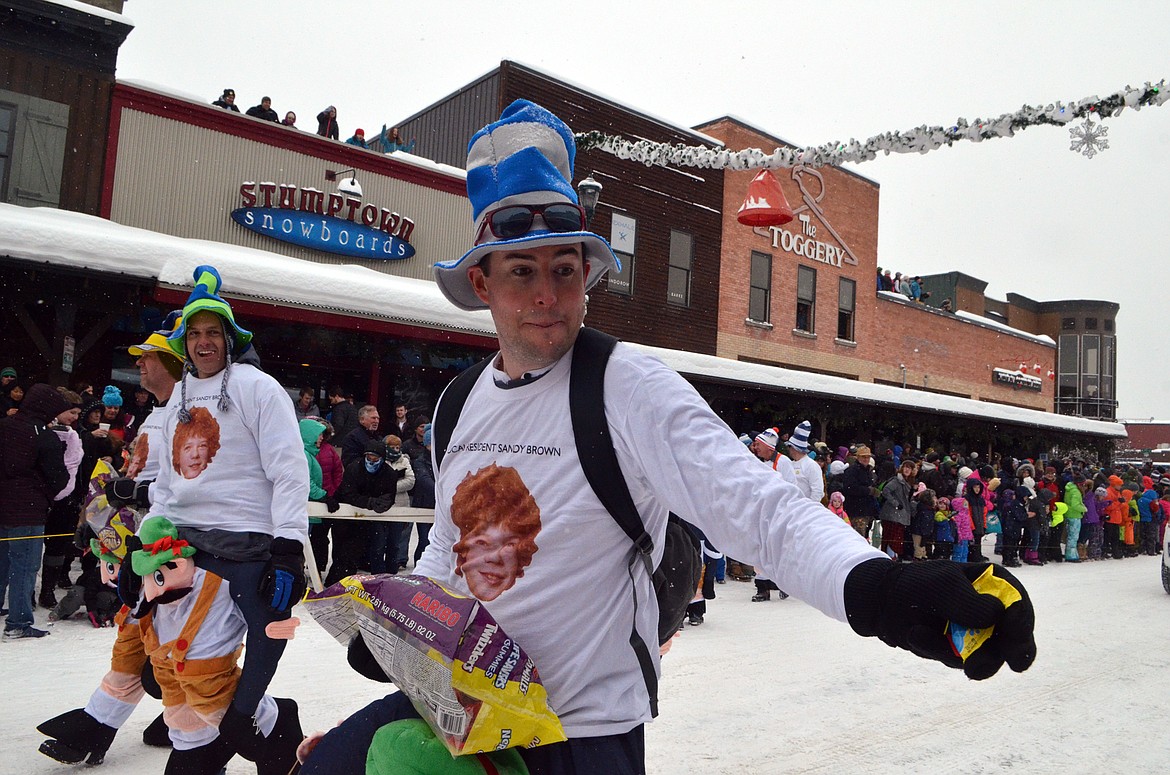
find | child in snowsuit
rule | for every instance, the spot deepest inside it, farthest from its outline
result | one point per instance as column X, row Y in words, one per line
column 944, row 530
column 964, row 529
column 837, row 505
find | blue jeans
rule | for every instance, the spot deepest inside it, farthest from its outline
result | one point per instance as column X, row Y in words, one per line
column 19, row 562
column 384, row 538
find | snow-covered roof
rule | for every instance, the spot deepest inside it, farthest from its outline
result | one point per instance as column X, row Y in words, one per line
column 70, row 239
column 82, row 241
column 871, row 393
column 971, row 317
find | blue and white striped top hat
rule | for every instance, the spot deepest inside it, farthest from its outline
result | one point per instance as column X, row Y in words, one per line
column 799, row 438
column 525, row 158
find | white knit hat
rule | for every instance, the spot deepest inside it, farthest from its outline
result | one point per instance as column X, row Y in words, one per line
column 769, row 436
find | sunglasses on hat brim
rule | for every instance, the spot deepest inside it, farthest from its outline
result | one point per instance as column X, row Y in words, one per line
column 516, row 220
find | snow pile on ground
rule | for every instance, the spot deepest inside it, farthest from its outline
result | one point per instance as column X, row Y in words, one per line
column 767, row 688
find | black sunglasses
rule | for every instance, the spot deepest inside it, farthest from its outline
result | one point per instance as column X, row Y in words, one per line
column 516, row 220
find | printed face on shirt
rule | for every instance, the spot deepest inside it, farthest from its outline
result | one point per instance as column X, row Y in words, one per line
column 537, row 301
column 195, row 444
column 138, row 458
column 498, row 522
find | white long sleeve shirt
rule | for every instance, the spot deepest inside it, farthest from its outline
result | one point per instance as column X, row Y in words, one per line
column 809, row 479
column 572, row 608
column 257, row 480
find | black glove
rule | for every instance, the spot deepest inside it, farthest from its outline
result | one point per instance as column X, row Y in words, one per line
column 331, row 504
column 382, row 503
column 129, row 582
column 75, row 735
column 909, row 605
column 283, row 583
column 82, row 535
column 120, row 492
column 362, row 660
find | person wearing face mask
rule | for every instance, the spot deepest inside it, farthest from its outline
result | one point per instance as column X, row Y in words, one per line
column 368, row 483
column 398, row 543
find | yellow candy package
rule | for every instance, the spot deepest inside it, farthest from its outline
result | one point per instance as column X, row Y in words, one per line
column 475, row 686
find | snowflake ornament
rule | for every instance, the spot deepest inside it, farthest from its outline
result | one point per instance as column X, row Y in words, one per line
column 1089, row 138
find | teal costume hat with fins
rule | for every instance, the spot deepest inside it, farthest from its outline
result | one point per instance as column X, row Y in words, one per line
column 206, row 297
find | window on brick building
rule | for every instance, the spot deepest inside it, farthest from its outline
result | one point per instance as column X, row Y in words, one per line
column 846, row 296
column 806, row 299
column 1090, row 324
column 622, row 282
column 623, row 235
column 1068, row 324
column 678, row 279
column 760, row 292
column 1108, row 324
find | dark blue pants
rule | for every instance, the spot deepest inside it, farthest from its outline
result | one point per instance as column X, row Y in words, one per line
column 261, row 653
column 20, row 557
column 343, row 750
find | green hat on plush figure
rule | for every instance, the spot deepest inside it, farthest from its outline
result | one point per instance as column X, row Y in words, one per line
column 206, row 297
column 160, row 545
column 409, row 747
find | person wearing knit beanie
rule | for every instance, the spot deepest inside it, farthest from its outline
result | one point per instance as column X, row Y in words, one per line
column 112, row 396
column 258, row 479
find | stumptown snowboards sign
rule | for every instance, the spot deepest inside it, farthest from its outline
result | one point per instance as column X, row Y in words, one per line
column 331, row 222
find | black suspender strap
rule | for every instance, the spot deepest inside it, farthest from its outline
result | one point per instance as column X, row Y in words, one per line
column 594, row 449
column 600, row 465
column 451, row 406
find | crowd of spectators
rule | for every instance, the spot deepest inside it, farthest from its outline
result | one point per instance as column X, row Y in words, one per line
column 388, row 140
column 917, row 505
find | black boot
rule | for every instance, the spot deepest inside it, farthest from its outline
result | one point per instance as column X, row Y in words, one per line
column 157, row 735
column 75, row 735
column 279, row 754
column 761, row 595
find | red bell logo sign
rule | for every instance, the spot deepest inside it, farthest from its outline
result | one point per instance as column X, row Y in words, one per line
column 765, row 204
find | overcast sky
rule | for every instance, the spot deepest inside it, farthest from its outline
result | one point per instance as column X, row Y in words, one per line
column 1026, row 214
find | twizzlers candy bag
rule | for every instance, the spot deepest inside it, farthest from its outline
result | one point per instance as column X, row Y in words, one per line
column 472, row 683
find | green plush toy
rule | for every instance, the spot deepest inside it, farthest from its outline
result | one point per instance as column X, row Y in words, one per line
column 409, row 747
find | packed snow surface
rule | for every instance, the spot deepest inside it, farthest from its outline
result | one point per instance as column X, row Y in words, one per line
column 771, row 687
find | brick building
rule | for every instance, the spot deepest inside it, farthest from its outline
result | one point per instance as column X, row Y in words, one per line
column 804, row 296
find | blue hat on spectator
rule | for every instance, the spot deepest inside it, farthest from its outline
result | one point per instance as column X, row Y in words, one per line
column 427, row 435
column 525, row 158
column 112, row 396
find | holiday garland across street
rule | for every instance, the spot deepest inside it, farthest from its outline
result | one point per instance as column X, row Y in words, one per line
column 1087, row 138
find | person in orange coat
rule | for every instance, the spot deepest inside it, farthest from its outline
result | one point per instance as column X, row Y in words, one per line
column 1116, row 512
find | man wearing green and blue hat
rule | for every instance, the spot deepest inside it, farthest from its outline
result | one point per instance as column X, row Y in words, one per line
column 234, row 482
column 531, row 265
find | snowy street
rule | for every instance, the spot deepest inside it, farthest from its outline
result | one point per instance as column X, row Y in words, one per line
column 770, row 687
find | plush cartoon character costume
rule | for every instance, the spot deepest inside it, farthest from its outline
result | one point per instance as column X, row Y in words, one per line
column 192, row 632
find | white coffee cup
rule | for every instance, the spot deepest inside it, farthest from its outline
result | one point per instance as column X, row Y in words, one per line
column 105, row 426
